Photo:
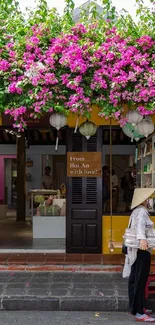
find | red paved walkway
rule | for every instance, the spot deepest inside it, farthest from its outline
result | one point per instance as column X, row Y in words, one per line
column 28, row 261
column 63, row 262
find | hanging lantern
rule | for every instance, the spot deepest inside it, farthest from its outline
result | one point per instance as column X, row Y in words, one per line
column 88, row 129
column 134, row 117
column 111, row 247
column 145, row 128
column 130, row 131
column 58, row 121
column 127, row 132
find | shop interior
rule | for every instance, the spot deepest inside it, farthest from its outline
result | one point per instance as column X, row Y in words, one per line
column 45, row 224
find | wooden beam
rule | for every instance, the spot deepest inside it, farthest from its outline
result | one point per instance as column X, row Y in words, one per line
column 21, row 178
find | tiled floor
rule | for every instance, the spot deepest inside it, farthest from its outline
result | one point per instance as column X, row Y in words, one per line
column 33, row 244
column 15, row 235
column 58, row 259
column 55, row 259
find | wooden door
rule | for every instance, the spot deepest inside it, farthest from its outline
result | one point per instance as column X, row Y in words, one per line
column 59, row 170
column 84, row 201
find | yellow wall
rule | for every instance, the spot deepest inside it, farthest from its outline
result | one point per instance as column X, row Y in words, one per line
column 72, row 118
column 119, row 223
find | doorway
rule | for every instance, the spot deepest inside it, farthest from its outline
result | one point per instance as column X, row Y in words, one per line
column 119, row 163
column 59, row 170
column 58, row 166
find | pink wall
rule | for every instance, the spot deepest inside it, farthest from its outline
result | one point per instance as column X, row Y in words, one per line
column 2, row 175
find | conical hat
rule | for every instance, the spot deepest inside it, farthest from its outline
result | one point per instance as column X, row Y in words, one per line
column 141, row 195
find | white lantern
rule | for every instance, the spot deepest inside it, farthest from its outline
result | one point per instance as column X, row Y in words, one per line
column 145, row 128
column 58, row 121
column 128, row 132
column 134, row 117
column 88, row 129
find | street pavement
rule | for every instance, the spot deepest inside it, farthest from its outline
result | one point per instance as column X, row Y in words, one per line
column 65, row 318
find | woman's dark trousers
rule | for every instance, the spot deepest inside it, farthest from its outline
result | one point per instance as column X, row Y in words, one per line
column 137, row 281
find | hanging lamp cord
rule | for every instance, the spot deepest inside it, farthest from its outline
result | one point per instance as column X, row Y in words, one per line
column 111, row 229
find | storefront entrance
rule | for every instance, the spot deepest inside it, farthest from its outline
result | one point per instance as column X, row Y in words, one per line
column 82, row 222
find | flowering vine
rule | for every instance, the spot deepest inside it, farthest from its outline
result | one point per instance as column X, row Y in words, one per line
column 68, row 71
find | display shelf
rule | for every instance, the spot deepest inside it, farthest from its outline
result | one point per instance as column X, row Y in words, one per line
column 48, row 211
column 49, row 227
column 146, row 165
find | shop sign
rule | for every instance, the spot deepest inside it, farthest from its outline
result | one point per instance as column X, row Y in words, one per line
column 43, row 122
column 84, row 164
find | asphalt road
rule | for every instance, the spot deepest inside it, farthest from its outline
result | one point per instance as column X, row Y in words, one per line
column 64, row 318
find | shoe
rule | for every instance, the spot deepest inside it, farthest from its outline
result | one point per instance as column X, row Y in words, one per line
column 147, row 312
column 146, row 319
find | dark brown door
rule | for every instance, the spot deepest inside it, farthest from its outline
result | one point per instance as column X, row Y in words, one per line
column 84, row 201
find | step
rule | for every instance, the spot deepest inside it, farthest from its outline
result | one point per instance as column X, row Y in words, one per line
column 59, row 262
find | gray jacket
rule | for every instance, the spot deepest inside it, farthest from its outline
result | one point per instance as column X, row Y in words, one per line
column 140, row 221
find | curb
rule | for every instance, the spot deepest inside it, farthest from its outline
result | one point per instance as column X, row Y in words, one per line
column 40, row 303
column 62, row 268
column 111, row 304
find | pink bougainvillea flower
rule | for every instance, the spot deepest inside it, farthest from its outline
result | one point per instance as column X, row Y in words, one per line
column 73, row 70
column 4, row 65
column 123, row 122
column 34, row 40
column 143, row 111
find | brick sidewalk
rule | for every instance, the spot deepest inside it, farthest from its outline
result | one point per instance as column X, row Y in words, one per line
column 61, row 262
column 64, row 262
column 63, row 291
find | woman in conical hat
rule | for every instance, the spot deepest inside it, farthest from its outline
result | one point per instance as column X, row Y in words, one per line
column 137, row 263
